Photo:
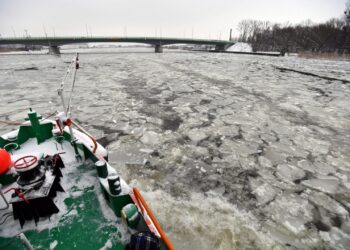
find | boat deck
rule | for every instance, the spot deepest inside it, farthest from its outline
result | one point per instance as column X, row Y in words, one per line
column 85, row 221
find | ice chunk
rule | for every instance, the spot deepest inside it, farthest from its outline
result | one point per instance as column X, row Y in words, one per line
column 336, row 239
column 346, row 226
column 147, row 150
column 327, row 185
column 291, row 211
column 138, row 132
column 275, row 156
column 264, row 162
column 232, row 131
column 196, row 135
column 289, row 173
column 316, row 146
column 176, row 154
column 198, row 152
column 263, row 191
column 323, row 200
column 181, row 88
column 266, row 174
column 150, row 138
column 307, row 166
column 324, row 168
column 290, row 107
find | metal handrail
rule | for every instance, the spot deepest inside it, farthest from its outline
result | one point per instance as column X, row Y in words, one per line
column 140, row 199
column 86, row 133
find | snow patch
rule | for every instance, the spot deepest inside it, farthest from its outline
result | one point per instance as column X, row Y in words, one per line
column 53, row 244
column 108, row 245
column 241, row 47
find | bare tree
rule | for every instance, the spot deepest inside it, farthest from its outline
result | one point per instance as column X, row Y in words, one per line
column 243, row 29
column 331, row 36
column 346, row 29
column 347, row 13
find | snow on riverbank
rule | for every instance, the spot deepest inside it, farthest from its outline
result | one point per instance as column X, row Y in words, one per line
column 241, row 47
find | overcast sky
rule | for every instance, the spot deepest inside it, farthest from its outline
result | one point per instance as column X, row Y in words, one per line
column 172, row 18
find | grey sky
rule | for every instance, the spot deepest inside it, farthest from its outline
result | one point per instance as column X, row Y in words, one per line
column 173, row 18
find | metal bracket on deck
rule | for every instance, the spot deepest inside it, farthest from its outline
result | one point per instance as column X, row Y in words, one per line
column 4, row 198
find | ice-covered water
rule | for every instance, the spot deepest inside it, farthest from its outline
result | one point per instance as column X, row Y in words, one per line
column 231, row 151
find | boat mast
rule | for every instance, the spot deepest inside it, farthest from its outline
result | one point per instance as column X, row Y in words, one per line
column 67, row 110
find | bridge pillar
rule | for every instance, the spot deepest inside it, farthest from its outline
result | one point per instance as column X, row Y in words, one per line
column 220, row 47
column 158, row 48
column 54, row 50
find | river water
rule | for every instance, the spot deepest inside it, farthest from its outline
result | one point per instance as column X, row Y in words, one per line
column 231, row 151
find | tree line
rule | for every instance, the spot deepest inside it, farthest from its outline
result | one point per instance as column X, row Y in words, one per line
column 331, row 36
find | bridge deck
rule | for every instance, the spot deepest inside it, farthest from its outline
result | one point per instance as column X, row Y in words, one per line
column 58, row 41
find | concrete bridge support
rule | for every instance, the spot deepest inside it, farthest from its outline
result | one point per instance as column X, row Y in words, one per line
column 54, row 50
column 158, row 48
column 220, row 47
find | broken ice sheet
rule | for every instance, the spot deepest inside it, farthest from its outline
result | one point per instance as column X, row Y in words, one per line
column 242, row 121
column 291, row 211
column 327, row 184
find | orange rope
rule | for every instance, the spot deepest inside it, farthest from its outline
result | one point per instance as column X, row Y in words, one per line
column 155, row 222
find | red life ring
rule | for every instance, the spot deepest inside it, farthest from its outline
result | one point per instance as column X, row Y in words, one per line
column 5, row 161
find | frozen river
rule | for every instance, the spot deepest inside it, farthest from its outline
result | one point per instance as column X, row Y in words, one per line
column 231, row 151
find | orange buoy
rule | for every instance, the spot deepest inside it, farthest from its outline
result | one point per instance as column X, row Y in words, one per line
column 5, row 161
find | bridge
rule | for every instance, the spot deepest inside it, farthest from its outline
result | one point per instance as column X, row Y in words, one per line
column 54, row 42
